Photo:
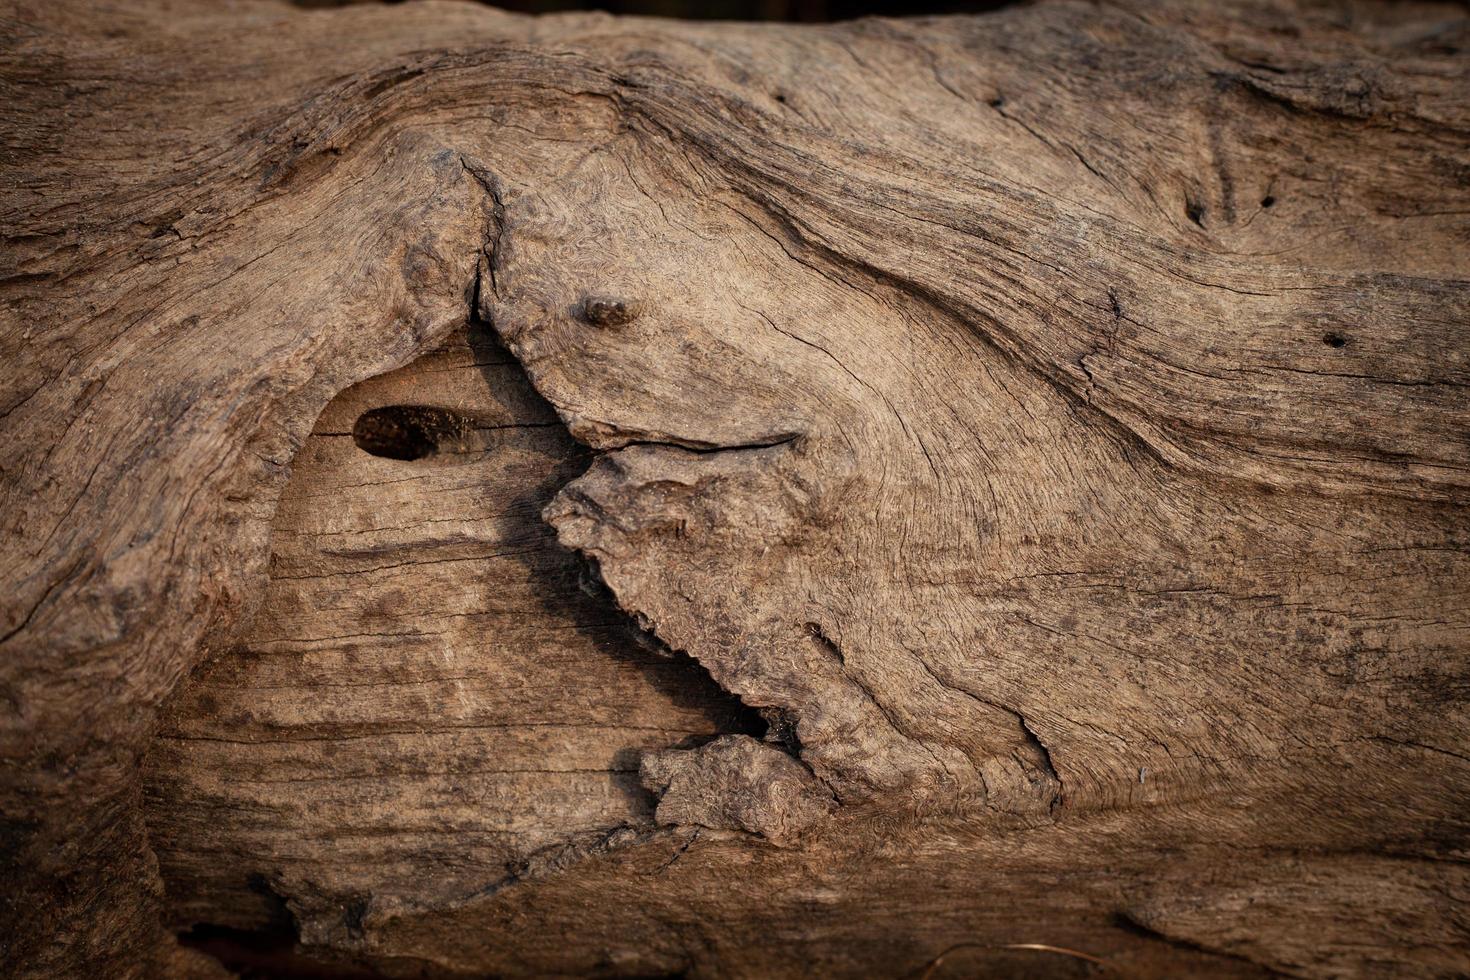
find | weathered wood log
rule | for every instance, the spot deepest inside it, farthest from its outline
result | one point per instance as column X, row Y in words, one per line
column 427, row 683
column 1008, row 478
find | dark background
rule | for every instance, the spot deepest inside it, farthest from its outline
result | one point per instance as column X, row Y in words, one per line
column 808, row 11
column 798, row 10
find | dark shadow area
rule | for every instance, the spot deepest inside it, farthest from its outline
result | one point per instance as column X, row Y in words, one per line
column 265, row 954
column 269, row 952
column 571, row 589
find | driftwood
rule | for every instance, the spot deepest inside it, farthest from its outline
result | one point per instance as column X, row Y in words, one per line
column 1001, row 487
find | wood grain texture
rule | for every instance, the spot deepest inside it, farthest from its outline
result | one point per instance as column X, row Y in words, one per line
column 429, row 703
column 1052, row 424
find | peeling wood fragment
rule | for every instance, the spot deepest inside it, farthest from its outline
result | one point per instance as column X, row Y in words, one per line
column 735, row 783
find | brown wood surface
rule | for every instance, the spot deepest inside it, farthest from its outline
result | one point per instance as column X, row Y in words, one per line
column 429, row 702
column 1001, row 483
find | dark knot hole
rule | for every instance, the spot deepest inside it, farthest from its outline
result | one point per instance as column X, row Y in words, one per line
column 408, row 431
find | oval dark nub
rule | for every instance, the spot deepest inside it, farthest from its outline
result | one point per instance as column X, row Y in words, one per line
column 407, row 431
column 609, row 311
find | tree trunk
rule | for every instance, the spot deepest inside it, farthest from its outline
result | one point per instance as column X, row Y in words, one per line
column 494, row 495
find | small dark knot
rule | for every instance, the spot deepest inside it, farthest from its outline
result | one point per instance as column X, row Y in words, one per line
column 605, row 311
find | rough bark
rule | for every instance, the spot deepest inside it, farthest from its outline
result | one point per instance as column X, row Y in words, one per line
column 1046, row 431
